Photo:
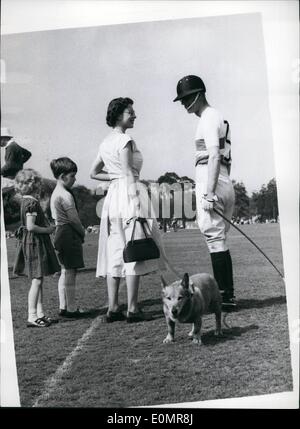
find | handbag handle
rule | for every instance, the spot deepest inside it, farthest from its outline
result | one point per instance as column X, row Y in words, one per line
column 142, row 221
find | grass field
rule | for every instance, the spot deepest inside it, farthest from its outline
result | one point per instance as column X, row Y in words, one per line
column 123, row 364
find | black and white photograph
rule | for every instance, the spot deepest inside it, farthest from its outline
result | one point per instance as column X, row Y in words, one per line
column 148, row 234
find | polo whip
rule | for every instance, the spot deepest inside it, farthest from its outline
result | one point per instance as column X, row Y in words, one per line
column 251, row 241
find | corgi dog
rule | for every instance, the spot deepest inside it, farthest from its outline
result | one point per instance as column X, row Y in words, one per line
column 187, row 300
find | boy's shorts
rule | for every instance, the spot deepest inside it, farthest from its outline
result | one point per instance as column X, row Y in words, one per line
column 68, row 244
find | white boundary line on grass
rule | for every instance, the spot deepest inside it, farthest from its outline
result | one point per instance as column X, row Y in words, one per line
column 52, row 382
column 10, row 396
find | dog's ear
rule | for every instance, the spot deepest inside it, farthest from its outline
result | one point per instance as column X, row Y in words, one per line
column 185, row 281
column 163, row 282
column 191, row 287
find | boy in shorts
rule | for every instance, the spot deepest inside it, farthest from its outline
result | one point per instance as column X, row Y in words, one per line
column 69, row 234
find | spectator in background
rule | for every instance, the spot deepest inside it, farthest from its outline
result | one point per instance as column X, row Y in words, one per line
column 13, row 159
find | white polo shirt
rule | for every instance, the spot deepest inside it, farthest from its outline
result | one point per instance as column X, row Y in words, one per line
column 210, row 125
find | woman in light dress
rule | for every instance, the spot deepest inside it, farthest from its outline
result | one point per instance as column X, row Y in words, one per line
column 119, row 161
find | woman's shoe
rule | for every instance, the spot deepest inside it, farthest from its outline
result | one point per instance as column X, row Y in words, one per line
column 138, row 316
column 113, row 316
column 38, row 323
column 76, row 314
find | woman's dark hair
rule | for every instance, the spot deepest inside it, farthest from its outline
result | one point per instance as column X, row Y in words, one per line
column 115, row 108
column 62, row 166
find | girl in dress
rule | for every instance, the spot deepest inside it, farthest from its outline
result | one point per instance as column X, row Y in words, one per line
column 119, row 161
column 35, row 254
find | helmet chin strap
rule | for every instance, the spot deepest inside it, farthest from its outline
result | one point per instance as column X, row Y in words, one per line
column 192, row 104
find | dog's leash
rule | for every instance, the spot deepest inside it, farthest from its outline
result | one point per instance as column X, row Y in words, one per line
column 170, row 266
column 224, row 321
column 251, row 241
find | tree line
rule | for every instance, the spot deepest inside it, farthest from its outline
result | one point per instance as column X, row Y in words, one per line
column 262, row 204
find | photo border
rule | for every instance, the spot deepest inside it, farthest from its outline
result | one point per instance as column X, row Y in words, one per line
column 283, row 81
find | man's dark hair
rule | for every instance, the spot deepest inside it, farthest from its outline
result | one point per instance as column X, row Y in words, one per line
column 115, row 108
column 62, row 166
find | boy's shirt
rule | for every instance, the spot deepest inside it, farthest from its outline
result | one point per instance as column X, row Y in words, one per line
column 61, row 201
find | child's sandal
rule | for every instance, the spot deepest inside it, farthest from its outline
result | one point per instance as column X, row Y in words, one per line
column 38, row 323
column 49, row 319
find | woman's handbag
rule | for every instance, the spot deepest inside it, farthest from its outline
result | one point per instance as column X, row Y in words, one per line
column 142, row 249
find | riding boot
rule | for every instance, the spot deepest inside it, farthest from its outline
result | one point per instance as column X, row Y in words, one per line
column 229, row 289
column 222, row 268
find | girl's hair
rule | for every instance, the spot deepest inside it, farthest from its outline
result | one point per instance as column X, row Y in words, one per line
column 115, row 108
column 62, row 166
column 28, row 182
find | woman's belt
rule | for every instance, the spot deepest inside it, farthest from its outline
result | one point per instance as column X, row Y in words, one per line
column 123, row 177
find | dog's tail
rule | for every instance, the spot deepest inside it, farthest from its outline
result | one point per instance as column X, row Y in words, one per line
column 224, row 321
